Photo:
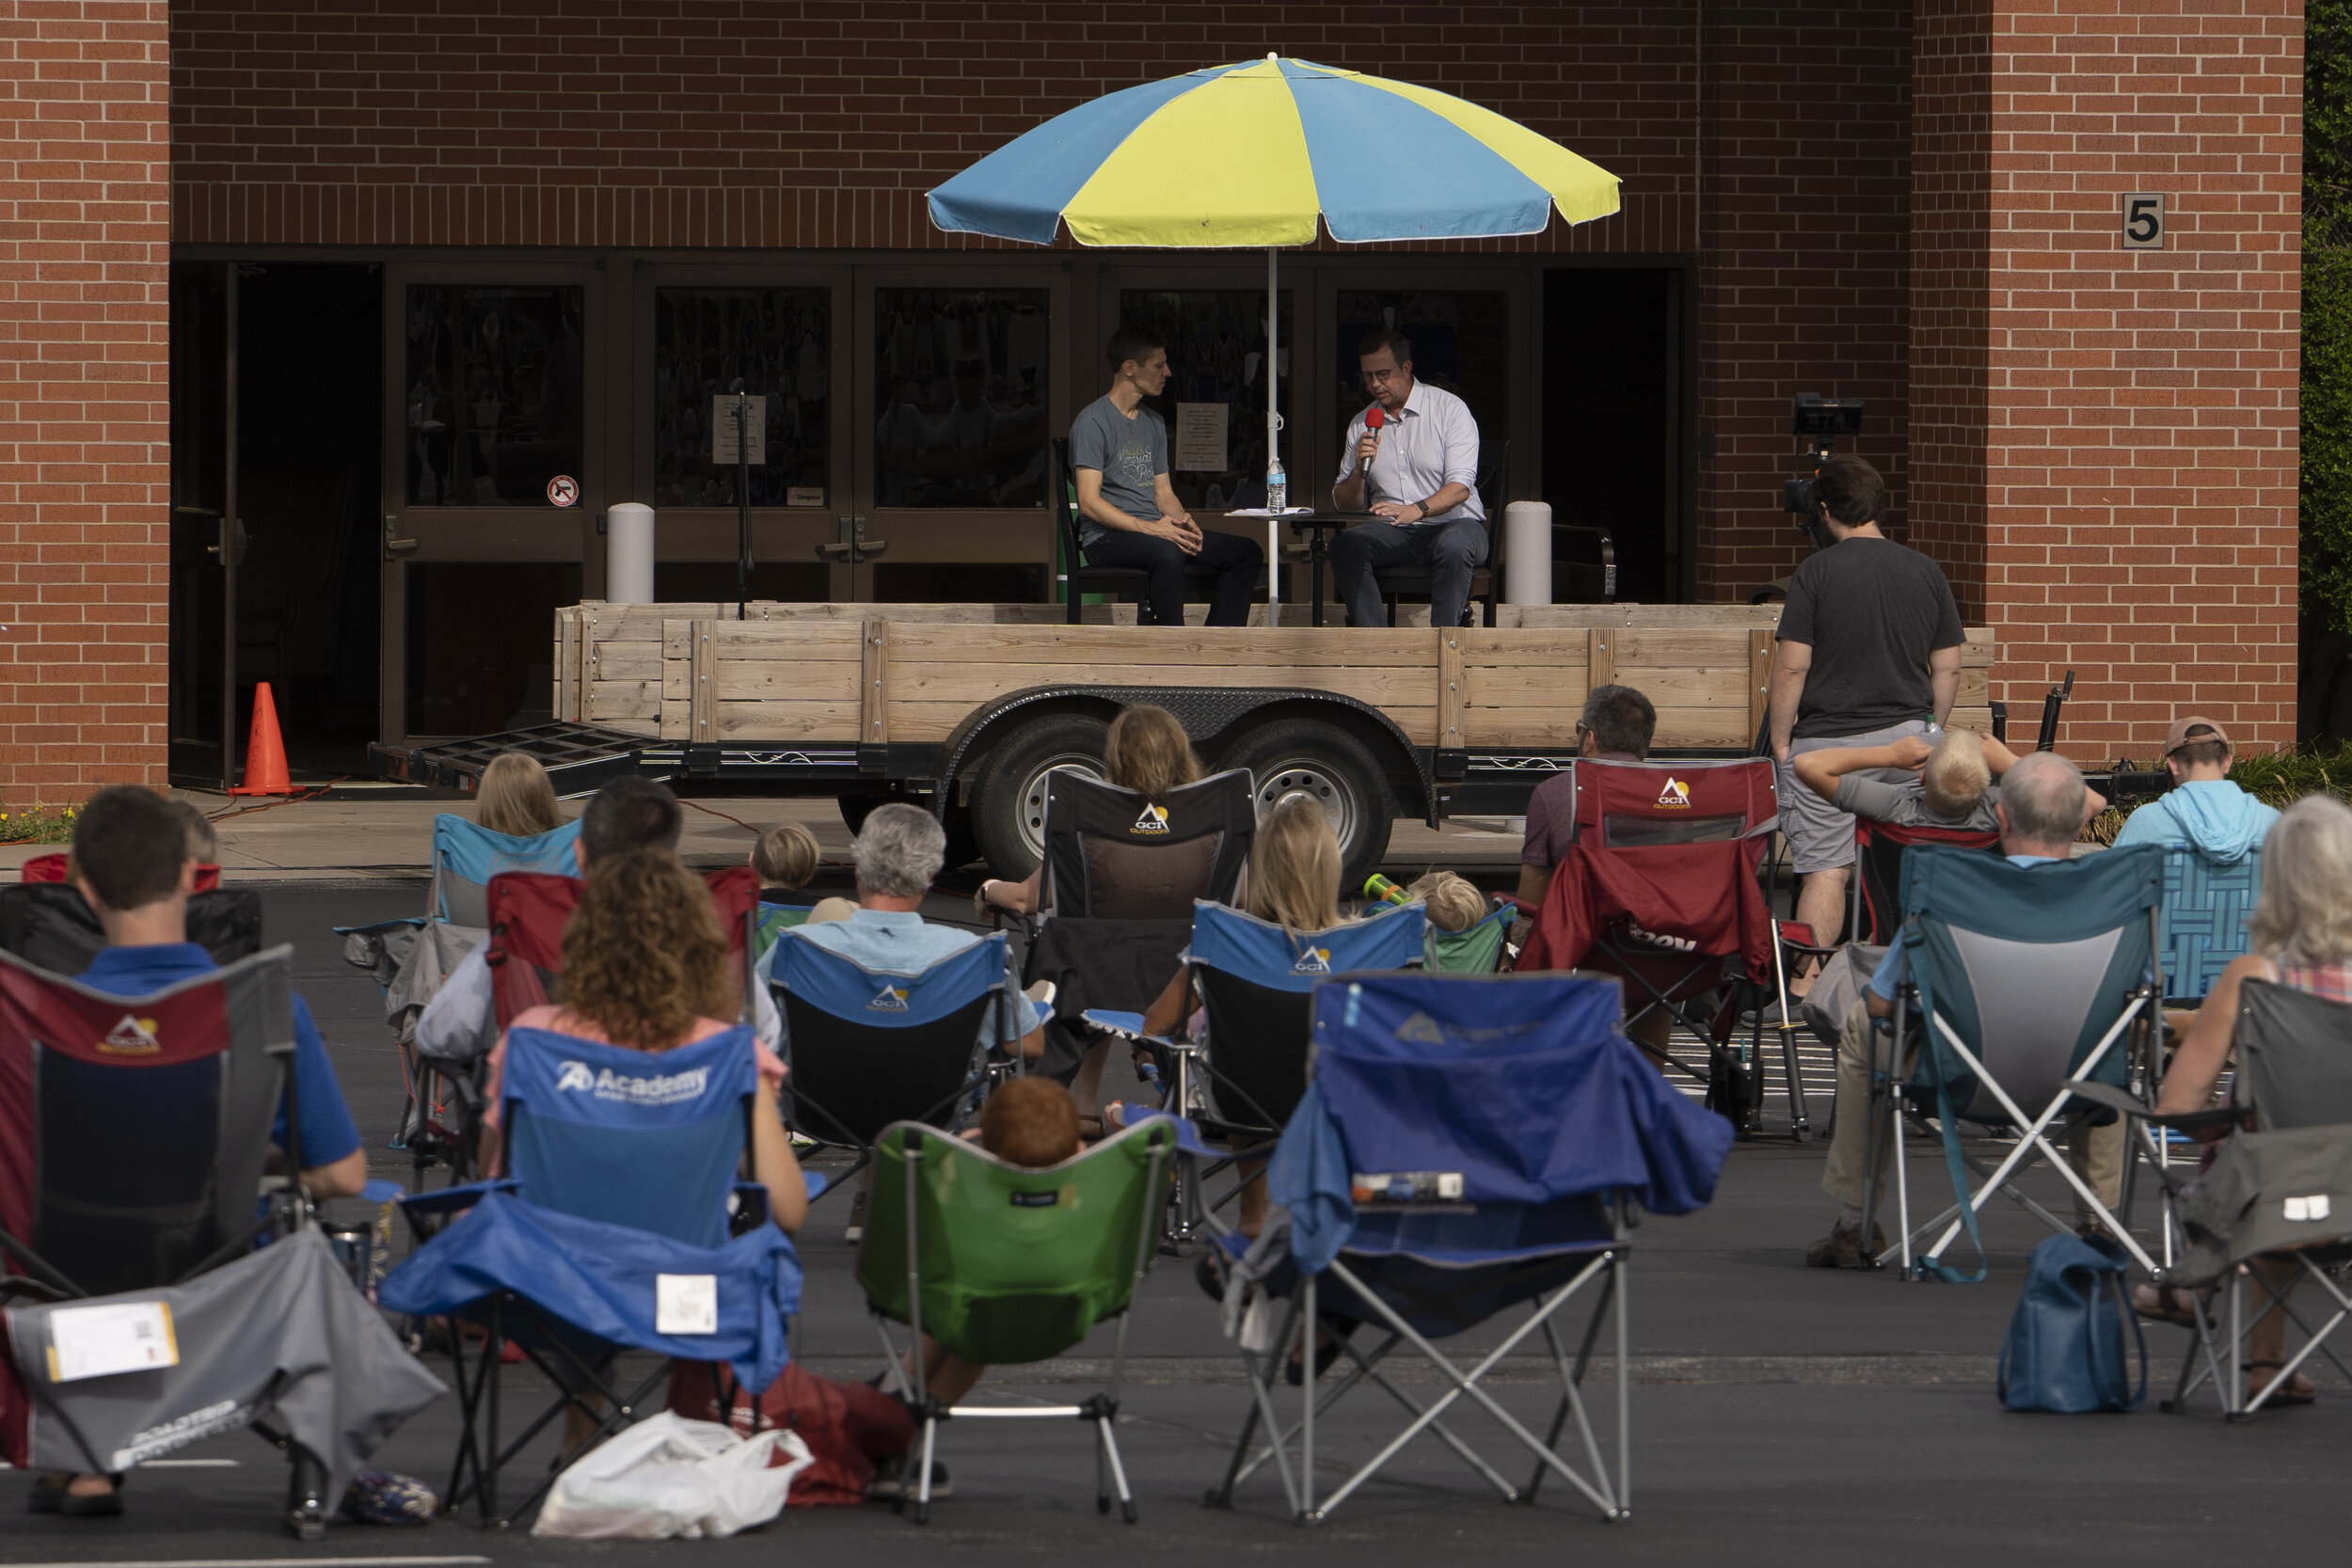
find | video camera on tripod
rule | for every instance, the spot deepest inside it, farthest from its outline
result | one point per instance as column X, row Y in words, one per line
column 1821, row 420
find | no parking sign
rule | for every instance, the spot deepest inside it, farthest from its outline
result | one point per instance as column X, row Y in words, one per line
column 563, row 490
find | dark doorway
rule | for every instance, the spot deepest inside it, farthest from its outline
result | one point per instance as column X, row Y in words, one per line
column 1612, row 438
column 310, row 438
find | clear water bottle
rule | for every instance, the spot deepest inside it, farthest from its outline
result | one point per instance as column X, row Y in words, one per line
column 1277, row 489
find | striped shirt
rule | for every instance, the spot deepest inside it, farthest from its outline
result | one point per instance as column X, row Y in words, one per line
column 1428, row 444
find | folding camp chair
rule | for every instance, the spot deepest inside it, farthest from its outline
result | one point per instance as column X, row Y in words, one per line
column 51, row 926
column 611, row 1234
column 1242, row 1083
column 1476, row 950
column 1121, row 877
column 772, row 920
column 2017, row 979
column 2280, row 1187
column 1878, row 886
column 134, row 1135
column 1468, row 1145
column 1660, row 887
column 871, row 1047
column 1009, row 1265
column 2205, row 905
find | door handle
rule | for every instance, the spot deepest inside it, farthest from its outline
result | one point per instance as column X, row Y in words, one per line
column 393, row 544
column 231, row 531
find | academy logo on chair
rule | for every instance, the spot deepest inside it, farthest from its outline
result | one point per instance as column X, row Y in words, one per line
column 1314, row 961
column 890, row 998
column 1154, row 820
column 1676, row 795
column 631, row 1088
column 132, row 1037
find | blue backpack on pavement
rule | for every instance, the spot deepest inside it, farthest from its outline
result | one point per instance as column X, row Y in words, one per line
column 2065, row 1346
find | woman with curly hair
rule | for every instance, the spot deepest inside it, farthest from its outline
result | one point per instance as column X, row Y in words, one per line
column 645, row 967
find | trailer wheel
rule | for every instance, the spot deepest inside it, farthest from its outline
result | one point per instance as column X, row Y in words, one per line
column 1332, row 767
column 1008, row 798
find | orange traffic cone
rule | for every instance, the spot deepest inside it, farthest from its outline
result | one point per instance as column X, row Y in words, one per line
column 264, row 753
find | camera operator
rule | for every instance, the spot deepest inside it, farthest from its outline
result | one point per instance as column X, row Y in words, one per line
column 1868, row 652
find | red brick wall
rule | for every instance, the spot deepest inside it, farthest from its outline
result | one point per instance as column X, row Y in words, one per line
column 2138, row 444
column 711, row 122
column 85, row 463
column 1804, row 256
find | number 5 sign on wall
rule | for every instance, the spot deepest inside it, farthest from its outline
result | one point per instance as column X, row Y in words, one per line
column 2144, row 223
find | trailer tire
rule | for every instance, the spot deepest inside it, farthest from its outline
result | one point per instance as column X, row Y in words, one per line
column 1332, row 765
column 1009, row 797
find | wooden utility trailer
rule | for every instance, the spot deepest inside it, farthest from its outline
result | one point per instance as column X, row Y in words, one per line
column 965, row 709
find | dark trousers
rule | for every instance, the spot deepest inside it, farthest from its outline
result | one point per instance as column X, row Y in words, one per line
column 1451, row 549
column 1234, row 559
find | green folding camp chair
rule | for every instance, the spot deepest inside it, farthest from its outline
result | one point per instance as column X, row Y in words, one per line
column 1012, row 1265
column 1476, row 951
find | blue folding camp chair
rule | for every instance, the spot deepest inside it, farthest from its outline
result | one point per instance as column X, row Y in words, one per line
column 2018, row 978
column 1255, row 978
column 2205, row 905
column 611, row 1233
column 466, row 855
column 870, row 1047
column 1468, row 1143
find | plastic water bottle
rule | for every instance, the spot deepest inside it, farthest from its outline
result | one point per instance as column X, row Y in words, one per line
column 1277, row 489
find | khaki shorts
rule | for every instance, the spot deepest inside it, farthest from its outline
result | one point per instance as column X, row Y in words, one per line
column 1821, row 837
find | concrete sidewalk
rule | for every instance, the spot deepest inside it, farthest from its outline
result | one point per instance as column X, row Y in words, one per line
column 341, row 840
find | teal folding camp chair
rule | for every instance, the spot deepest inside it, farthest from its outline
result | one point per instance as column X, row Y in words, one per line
column 2205, row 905
column 1011, row 1265
column 1474, row 951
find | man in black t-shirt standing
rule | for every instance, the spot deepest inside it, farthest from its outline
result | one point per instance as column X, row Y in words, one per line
column 1868, row 652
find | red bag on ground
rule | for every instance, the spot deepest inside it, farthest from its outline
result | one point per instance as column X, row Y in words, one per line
column 847, row 1426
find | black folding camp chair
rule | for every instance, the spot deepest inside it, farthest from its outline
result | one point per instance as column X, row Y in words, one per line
column 51, row 926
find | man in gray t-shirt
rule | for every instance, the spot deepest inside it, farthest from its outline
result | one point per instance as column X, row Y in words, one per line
column 1914, row 783
column 1128, row 513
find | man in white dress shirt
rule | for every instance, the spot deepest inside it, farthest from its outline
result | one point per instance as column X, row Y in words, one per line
column 1420, row 474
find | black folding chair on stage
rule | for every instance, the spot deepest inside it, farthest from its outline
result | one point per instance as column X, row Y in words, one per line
column 1660, row 888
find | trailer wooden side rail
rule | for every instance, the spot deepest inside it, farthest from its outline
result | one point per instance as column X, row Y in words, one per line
column 965, row 707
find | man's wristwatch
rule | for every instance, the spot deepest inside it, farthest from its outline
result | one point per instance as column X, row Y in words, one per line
column 1424, row 512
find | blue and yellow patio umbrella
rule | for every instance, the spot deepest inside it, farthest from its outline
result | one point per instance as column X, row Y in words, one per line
column 1253, row 154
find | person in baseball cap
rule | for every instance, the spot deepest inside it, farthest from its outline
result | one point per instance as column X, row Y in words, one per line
column 2203, row 809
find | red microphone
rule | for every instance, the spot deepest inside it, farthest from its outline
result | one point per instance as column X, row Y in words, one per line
column 1375, row 417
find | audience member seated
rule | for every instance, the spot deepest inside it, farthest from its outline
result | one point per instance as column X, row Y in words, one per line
column 786, row 858
column 133, row 862
column 1954, row 788
column 2041, row 811
column 1294, row 881
column 1030, row 1122
column 2203, row 810
column 516, row 799
column 203, row 844
column 1146, row 751
column 631, row 812
column 1615, row 726
column 2301, row 936
column 645, row 967
column 1455, row 902
column 898, row 853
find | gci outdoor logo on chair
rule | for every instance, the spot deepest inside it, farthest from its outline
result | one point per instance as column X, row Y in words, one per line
column 1676, row 795
column 132, row 1037
column 1314, row 961
column 630, row 1089
column 890, row 998
column 1154, row 820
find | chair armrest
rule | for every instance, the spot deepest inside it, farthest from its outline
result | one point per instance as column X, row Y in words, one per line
column 2188, row 1121
column 450, row 1199
column 1127, row 1027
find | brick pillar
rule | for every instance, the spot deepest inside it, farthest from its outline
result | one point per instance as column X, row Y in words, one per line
column 2103, row 441
column 85, row 444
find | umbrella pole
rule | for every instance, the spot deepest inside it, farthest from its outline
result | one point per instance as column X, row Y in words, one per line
column 1273, row 426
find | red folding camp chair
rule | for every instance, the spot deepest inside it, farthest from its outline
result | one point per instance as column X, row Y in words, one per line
column 1660, row 888
column 528, row 910
column 1878, row 884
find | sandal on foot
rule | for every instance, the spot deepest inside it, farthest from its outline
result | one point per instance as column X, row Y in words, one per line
column 2288, row 1395
column 2165, row 1303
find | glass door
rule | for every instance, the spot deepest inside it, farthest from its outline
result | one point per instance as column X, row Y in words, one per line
column 956, row 400
column 205, row 537
column 493, row 479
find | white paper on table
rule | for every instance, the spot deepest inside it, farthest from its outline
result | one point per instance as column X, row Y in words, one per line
column 686, row 1304
column 1262, row 512
column 100, row 1341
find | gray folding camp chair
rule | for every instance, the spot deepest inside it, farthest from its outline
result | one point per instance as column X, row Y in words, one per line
column 2018, row 979
column 2282, row 1192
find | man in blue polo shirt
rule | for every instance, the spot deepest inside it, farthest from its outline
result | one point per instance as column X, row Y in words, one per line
column 132, row 864
column 2042, row 808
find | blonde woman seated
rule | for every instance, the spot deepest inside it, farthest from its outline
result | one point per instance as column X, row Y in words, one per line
column 2298, row 936
column 516, row 799
column 1293, row 883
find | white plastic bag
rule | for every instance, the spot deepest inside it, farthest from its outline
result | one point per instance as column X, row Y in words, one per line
column 668, row 1477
